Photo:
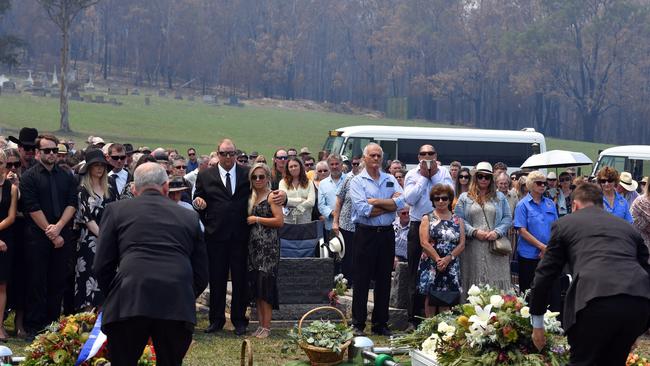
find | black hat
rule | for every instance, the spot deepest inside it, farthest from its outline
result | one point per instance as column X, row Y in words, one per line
column 129, row 149
column 26, row 137
column 94, row 156
column 177, row 184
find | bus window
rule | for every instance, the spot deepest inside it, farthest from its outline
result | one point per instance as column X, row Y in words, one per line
column 334, row 144
column 389, row 148
column 354, row 146
column 469, row 153
column 616, row 162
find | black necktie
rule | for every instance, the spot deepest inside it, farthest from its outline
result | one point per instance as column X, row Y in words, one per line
column 54, row 191
column 228, row 184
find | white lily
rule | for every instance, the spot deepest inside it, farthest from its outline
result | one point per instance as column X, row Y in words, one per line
column 482, row 316
column 474, row 291
column 475, row 300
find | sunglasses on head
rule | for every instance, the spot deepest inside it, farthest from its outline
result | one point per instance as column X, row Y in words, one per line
column 227, row 153
column 118, row 157
column 11, row 165
column 282, row 157
column 603, row 181
column 540, row 183
column 50, row 150
column 427, row 153
column 463, row 176
column 480, row 176
column 441, row 198
column 258, row 177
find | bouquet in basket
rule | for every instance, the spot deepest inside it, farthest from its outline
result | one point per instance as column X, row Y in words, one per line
column 62, row 342
column 634, row 359
column 493, row 328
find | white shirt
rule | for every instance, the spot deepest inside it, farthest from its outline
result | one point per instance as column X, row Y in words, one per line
column 120, row 179
column 233, row 177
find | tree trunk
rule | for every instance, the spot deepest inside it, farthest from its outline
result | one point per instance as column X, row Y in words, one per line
column 64, row 125
column 589, row 123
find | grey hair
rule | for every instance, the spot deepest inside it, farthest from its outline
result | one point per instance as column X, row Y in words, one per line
column 372, row 144
column 334, row 157
column 149, row 175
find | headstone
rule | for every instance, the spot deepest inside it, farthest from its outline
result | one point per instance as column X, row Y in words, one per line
column 38, row 84
column 89, row 85
column 178, row 96
column 113, row 101
column 88, row 98
column 234, row 101
column 135, row 92
column 399, row 292
column 210, row 99
column 147, row 101
column 55, row 78
column 99, row 99
column 162, row 93
column 29, row 82
column 72, row 75
column 39, row 93
column 3, row 80
column 75, row 96
column 7, row 85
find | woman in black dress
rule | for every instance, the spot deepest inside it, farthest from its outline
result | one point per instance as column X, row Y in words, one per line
column 93, row 197
column 8, row 203
column 263, row 247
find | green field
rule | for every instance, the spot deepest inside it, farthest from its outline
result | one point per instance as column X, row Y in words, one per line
column 180, row 124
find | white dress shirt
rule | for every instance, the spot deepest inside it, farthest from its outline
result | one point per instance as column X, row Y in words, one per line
column 233, row 177
column 120, row 179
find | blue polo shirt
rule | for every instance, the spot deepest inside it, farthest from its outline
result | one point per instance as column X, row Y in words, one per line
column 537, row 219
column 363, row 187
column 621, row 208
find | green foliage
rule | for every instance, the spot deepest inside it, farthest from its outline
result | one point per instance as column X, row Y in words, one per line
column 325, row 334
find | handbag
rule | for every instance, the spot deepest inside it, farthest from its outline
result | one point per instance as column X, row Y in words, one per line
column 502, row 245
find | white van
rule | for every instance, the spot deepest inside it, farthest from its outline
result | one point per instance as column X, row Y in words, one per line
column 469, row 146
column 634, row 159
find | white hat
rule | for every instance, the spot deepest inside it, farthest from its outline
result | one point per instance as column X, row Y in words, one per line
column 551, row 175
column 337, row 245
column 626, row 181
column 484, row 167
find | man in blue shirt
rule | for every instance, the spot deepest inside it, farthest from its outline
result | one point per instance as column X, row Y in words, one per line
column 375, row 198
column 327, row 190
column 534, row 215
column 417, row 185
column 192, row 161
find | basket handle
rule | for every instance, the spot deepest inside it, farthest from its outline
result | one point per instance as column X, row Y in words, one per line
column 246, row 353
column 345, row 322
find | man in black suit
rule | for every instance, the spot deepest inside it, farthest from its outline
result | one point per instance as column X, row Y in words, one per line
column 221, row 197
column 607, row 306
column 151, row 265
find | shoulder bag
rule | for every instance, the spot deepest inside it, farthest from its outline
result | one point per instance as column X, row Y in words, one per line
column 502, row 245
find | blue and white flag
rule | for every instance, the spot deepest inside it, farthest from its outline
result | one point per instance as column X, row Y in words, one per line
column 94, row 343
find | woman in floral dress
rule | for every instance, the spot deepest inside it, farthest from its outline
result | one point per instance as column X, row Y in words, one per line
column 442, row 237
column 93, row 197
column 263, row 247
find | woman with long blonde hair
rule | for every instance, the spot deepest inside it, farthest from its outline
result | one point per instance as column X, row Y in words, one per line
column 93, row 197
column 487, row 217
column 263, row 247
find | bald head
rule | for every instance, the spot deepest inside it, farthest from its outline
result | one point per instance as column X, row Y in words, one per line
column 150, row 176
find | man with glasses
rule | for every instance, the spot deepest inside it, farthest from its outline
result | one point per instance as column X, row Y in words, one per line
column 221, row 197
column 310, row 164
column 417, row 185
column 118, row 177
column 327, row 190
column 49, row 197
column 242, row 159
column 26, row 146
column 401, row 227
column 375, row 198
column 192, row 161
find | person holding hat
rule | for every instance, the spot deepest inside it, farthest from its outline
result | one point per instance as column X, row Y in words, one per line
column 94, row 195
column 486, row 215
column 627, row 187
column 49, row 197
column 26, row 142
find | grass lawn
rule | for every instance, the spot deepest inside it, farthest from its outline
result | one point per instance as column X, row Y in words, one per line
column 181, row 124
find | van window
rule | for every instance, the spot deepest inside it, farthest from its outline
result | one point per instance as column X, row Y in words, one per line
column 389, row 148
column 616, row 162
column 354, row 146
column 334, row 144
column 467, row 152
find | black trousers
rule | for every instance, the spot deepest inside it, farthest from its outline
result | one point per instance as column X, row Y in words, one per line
column 46, row 281
column 227, row 257
column 526, row 272
column 527, row 269
column 347, row 264
column 373, row 260
column 127, row 339
column 415, row 305
column 605, row 330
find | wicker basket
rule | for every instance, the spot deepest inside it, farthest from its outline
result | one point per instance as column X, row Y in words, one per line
column 319, row 356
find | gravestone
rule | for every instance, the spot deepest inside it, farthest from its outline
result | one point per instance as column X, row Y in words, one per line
column 178, row 96
column 233, row 101
column 39, row 93
column 210, row 99
column 147, row 101
column 38, row 84
column 88, row 98
column 399, row 293
column 7, row 85
column 162, row 93
column 75, row 96
column 99, row 99
column 135, row 92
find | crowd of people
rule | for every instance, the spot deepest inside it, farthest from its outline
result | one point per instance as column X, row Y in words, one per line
column 471, row 223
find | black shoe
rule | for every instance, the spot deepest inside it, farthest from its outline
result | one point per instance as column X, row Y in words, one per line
column 214, row 327
column 240, row 330
column 358, row 332
column 382, row 331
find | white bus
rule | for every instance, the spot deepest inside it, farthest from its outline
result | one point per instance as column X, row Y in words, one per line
column 469, row 146
column 634, row 159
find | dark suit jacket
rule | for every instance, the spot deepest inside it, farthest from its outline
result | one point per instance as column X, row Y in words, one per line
column 225, row 214
column 606, row 257
column 112, row 185
column 151, row 260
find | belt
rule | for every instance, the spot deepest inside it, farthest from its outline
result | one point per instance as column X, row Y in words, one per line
column 378, row 229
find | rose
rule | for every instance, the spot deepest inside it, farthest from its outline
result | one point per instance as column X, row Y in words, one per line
column 496, row 301
column 474, row 291
column 475, row 300
column 525, row 312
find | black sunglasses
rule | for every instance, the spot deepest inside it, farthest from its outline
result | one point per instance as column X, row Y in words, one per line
column 243, row 160
column 323, row 171
column 483, row 176
column 50, row 150
column 427, row 153
column 12, row 165
column 191, row 154
column 540, row 183
column 463, row 176
column 181, row 167
column 282, row 157
column 227, row 153
column 355, row 164
column 603, row 181
column 441, row 198
column 309, row 164
column 118, row 157
column 258, row 177
column 562, row 180
column 28, row 148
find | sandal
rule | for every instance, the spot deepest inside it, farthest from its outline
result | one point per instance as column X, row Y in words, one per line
column 264, row 333
column 257, row 331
